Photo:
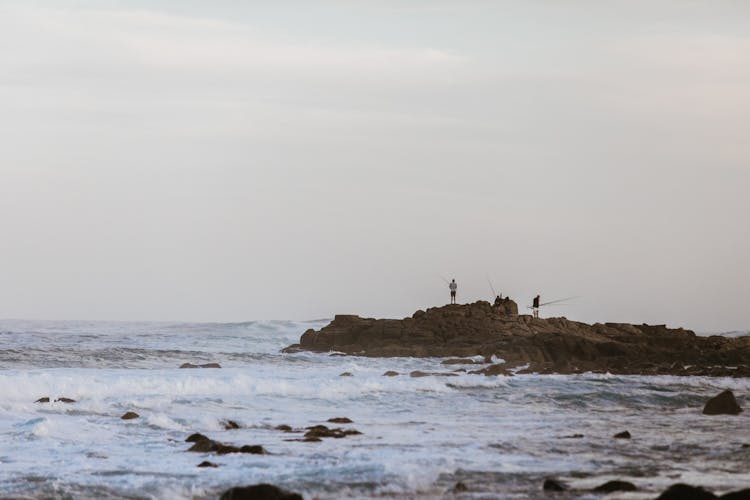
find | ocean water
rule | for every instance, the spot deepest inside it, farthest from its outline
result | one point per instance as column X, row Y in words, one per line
column 500, row 436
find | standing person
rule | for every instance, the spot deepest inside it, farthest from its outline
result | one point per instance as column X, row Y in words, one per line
column 453, row 286
column 536, row 306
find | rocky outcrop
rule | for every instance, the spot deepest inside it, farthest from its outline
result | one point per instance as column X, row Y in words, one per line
column 552, row 345
column 202, row 444
column 723, row 404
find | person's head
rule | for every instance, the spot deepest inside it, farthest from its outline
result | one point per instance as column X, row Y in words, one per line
column 453, row 280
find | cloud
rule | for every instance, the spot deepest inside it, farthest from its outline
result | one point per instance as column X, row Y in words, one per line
column 89, row 41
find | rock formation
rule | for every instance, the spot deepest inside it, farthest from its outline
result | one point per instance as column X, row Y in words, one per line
column 552, row 345
column 723, row 404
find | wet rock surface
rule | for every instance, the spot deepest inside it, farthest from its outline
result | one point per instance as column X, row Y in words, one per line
column 203, row 444
column 205, row 365
column 129, row 415
column 611, row 486
column 259, row 492
column 685, row 492
column 723, row 404
column 321, row 431
column 551, row 345
column 553, row 485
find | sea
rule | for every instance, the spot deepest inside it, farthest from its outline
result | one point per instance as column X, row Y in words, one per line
column 462, row 436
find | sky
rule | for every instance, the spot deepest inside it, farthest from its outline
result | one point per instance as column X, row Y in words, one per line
column 234, row 160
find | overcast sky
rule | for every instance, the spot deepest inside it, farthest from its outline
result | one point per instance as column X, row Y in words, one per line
column 232, row 160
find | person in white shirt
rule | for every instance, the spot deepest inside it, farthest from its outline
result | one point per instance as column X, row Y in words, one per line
column 453, row 286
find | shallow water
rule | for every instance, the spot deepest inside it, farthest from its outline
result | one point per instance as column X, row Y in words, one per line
column 500, row 436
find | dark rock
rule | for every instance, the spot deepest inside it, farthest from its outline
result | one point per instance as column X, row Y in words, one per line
column 294, row 348
column 417, row 373
column 65, row 400
column 254, row 449
column 205, row 365
column 205, row 445
column 230, row 424
column 493, row 370
column 460, row 487
column 42, row 400
column 572, row 436
column 723, row 404
column 622, row 435
column 346, row 374
column 737, row 495
column 194, row 438
column 685, row 492
column 611, row 486
column 321, row 431
column 129, row 415
column 391, row 373
column 283, row 428
column 206, row 463
column 259, row 492
column 340, row 420
column 554, row 485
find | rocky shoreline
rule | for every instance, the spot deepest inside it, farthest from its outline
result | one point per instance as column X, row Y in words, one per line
column 533, row 345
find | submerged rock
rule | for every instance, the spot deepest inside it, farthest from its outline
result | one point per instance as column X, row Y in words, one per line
column 611, row 486
column 685, row 492
column 205, row 365
column 321, row 431
column 206, row 463
column 65, row 400
column 417, row 374
column 346, row 374
column 42, row 400
column 283, row 428
column 723, row 404
column 230, row 424
column 129, row 415
column 203, row 444
column 460, row 487
column 493, row 370
column 340, row 420
column 554, row 485
column 622, row 435
column 259, row 492
column 391, row 373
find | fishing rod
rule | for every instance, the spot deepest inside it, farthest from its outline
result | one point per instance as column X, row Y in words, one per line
column 551, row 302
column 558, row 302
column 494, row 293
